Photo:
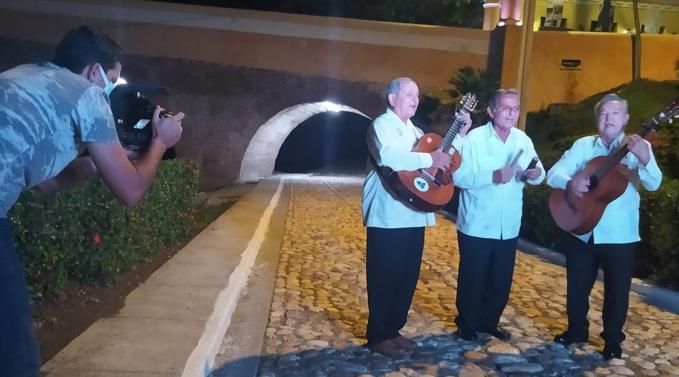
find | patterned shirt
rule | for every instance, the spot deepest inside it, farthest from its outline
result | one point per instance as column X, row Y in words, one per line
column 45, row 112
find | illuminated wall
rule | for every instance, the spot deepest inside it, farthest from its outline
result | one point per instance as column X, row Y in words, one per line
column 605, row 62
column 346, row 49
column 580, row 13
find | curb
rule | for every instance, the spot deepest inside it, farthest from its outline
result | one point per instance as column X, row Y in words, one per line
column 659, row 297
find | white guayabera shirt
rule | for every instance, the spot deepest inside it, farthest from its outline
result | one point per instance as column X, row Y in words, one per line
column 390, row 142
column 620, row 221
column 487, row 209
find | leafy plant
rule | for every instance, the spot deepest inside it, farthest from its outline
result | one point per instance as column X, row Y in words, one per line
column 477, row 81
column 84, row 236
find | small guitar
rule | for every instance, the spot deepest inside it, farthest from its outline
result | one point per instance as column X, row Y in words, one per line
column 429, row 189
column 607, row 181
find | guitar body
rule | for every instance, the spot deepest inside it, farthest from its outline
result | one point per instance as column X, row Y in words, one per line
column 580, row 215
column 425, row 189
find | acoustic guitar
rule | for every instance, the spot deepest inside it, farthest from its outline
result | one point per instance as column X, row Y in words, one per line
column 607, row 181
column 431, row 188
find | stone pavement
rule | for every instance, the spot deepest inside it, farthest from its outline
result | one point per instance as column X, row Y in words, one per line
column 319, row 309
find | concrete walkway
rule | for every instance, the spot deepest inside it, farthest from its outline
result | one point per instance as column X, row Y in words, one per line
column 174, row 323
column 276, row 287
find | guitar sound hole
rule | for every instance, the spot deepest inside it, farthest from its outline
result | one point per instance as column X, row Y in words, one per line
column 593, row 182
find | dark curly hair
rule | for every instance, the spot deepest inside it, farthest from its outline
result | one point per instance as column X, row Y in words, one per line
column 83, row 46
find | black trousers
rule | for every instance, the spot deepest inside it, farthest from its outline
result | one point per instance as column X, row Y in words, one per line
column 19, row 356
column 393, row 258
column 582, row 262
column 484, row 281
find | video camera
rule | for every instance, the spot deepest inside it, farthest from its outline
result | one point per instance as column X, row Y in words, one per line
column 132, row 113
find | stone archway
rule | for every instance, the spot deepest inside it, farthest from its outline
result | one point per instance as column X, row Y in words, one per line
column 260, row 156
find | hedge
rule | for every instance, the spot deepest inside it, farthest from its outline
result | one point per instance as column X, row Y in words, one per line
column 658, row 256
column 85, row 237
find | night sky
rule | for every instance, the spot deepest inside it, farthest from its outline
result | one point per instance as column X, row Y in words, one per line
column 460, row 13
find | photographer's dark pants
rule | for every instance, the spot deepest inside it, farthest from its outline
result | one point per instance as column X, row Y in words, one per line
column 19, row 355
column 582, row 262
column 393, row 258
column 484, row 281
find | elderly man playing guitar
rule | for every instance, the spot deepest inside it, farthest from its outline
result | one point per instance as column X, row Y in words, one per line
column 395, row 230
column 610, row 242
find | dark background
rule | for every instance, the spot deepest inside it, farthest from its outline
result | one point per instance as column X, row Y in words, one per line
column 460, row 13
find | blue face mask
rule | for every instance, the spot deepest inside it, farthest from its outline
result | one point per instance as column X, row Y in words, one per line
column 108, row 85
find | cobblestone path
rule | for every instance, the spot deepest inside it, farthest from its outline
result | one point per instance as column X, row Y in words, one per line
column 319, row 311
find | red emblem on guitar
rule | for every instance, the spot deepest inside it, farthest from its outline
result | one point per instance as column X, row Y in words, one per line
column 430, row 189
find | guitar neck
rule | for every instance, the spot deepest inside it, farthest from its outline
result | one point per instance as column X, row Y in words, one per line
column 667, row 115
column 615, row 158
column 450, row 135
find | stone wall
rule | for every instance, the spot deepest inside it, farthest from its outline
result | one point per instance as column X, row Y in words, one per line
column 225, row 105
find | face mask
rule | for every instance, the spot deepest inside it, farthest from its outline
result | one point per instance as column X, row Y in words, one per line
column 108, row 85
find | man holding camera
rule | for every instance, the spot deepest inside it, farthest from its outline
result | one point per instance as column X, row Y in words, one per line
column 46, row 112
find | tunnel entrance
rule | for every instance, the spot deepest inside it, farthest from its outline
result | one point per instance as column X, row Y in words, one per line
column 326, row 143
column 262, row 152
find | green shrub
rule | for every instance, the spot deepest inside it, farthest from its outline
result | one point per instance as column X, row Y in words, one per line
column 659, row 249
column 84, row 236
column 479, row 82
column 658, row 252
column 536, row 222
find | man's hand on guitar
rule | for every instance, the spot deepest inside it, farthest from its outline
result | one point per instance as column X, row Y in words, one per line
column 578, row 186
column 467, row 122
column 441, row 160
column 639, row 148
column 504, row 175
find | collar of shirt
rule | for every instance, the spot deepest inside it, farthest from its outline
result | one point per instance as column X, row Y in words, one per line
column 599, row 142
column 396, row 118
column 408, row 126
column 490, row 132
column 50, row 65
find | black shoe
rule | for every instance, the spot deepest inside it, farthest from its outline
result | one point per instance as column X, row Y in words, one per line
column 470, row 336
column 566, row 339
column 500, row 334
column 613, row 351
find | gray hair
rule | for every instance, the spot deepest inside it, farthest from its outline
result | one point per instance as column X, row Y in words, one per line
column 609, row 98
column 395, row 86
column 495, row 99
